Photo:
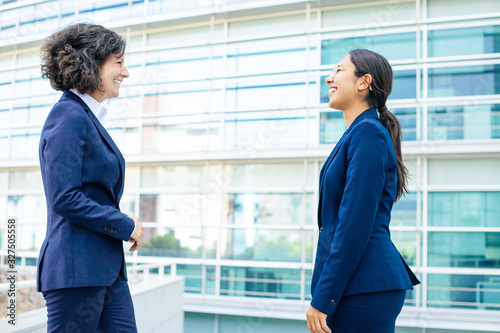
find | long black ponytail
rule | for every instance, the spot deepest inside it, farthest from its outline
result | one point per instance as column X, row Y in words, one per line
column 369, row 62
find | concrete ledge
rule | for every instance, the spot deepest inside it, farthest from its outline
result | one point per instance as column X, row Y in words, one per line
column 157, row 304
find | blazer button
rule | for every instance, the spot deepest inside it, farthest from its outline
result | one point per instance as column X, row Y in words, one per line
column 332, row 302
column 104, row 229
column 321, row 230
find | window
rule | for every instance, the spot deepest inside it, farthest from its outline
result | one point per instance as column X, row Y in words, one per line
column 464, row 209
column 464, row 249
column 391, row 46
column 464, row 81
column 464, row 41
column 464, row 122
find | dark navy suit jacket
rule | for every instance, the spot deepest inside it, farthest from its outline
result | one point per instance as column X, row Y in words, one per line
column 357, row 189
column 83, row 174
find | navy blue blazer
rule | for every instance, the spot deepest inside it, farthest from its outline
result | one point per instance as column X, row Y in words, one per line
column 358, row 185
column 83, row 175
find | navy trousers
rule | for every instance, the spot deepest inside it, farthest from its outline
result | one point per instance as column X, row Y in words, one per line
column 91, row 309
column 367, row 313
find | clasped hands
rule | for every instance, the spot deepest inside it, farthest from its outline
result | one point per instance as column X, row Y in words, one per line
column 138, row 235
column 316, row 321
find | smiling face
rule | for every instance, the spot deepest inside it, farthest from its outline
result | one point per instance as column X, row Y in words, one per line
column 113, row 71
column 343, row 85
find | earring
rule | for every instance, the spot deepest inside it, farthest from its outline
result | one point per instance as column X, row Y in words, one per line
column 370, row 87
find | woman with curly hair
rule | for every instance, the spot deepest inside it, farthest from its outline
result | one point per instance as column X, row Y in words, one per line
column 81, row 267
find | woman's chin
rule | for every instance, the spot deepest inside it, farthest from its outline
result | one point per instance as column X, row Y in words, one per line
column 332, row 104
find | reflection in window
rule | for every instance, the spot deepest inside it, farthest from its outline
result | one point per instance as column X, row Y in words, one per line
column 192, row 277
column 266, row 245
column 464, row 122
column 464, row 249
column 464, row 209
column 464, row 41
column 181, row 209
column 464, row 291
column 464, row 81
column 404, row 212
column 392, row 47
column 260, row 282
column 266, row 209
column 406, row 243
column 166, row 242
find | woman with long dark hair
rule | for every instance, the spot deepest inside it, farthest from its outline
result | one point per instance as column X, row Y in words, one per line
column 360, row 280
column 81, row 267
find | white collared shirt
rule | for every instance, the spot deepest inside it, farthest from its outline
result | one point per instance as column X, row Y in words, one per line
column 97, row 108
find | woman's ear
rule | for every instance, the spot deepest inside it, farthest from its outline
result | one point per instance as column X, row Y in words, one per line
column 365, row 83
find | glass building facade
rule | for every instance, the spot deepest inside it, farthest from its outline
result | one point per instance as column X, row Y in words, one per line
column 224, row 125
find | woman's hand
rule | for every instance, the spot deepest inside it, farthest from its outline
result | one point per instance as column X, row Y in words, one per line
column 138, row 234
column 316, row 321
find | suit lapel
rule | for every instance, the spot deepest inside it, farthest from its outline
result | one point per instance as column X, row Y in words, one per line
column 109, row 141
column 105, row 137
column 370, row 113
column 324, row 169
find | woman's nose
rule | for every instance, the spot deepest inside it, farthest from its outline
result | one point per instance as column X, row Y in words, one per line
column 329, row 79
column 125, row 71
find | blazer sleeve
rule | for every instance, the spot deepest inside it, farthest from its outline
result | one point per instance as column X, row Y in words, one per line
column 367, row 159
column 63, row 150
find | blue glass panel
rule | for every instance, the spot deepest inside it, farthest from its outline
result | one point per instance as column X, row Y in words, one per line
column 308, row 278
column 464, row 81
column 264, row 245
column 406, row 243
column 464, row 249
column 464, row 122
column 192, row 277
column 464, row 291
column 393, row 46
column 404, row 212
column 260, row 282
column 464, row 209
column 332, row 125
column 464, row 41
column 199, row 322
column 408, row 120
column 404, row 85
column 210, row 279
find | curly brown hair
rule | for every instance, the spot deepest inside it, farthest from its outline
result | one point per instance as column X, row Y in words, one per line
column 72, row 57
